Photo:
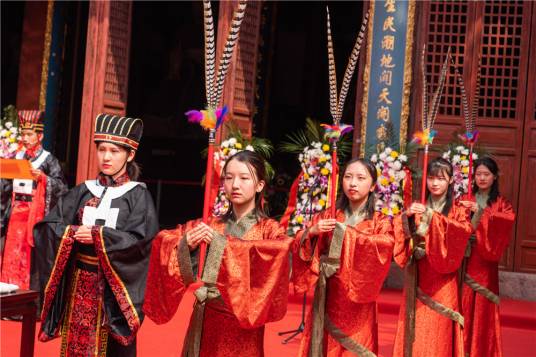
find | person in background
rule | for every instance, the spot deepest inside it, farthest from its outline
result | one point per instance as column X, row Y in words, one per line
column 26, row 202
column 493, row 219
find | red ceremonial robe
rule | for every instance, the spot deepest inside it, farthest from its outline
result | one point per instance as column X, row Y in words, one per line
column 482, row 331
column 26, row 210
column 249, row 287
column 19, row 240
column 444, row 238
column 350, row 325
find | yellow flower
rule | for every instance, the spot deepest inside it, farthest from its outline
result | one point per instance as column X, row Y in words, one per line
column 395, row 210
column 394, row 154
column 463, row 157
column 306, row 175
column 392, row 179
column 385, row 210
column 325, row 147
column 225, row 151
column 299, row 219
column 323, row 159
column 324, row 171
column 321, row 202
column 238, row 146
column 465, row 169
column 384, row 181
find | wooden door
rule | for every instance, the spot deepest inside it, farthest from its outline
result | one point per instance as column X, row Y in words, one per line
column 105, row 74
column 497, row 32
column 239, row 92
column 525, row 244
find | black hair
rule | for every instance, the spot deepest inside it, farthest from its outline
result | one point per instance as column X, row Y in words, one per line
column 257, row 168
column 492, row 166
column 437, row 167
column 133, row 170
column 343, row 202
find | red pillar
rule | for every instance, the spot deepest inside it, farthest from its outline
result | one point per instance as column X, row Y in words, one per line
column 31, row 54
column 240, row 83
column 105, row 74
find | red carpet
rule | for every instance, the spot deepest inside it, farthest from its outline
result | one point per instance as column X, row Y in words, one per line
column 518, row 326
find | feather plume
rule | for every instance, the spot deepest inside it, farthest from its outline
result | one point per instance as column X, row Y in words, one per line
column 424, row 90
column 210, row 52
column 227, row 54
column 333, row 100
column 208, row 118
column 476, row 98
column 336, row 100
column 334, row 132
column 465, row 103
column 439, row 92
column 425, row 137
column 352, row 62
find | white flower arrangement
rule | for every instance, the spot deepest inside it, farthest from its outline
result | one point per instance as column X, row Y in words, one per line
column 9, row 140
column 459, row 158
column 390, row 166
column 315, row 161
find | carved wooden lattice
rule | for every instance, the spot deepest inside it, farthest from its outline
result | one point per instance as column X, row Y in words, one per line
column 501, row 54
column 246, row 58
column 447, row 27
column 116, row 78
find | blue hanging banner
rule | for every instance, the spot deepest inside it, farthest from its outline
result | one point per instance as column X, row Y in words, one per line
column 52, row 69
column 387, row 75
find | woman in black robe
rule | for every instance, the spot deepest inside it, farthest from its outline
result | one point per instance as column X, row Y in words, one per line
column 94, row 250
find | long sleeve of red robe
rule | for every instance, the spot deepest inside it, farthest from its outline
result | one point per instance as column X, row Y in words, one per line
column 165, row 283
column 352, row 291
column 445, row 242
column 482, row 332
column 252, row 281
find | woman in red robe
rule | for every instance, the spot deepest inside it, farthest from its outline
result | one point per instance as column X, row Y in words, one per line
column 430, row 243
column 493, row 219
column 347, row 267
column 245, row 275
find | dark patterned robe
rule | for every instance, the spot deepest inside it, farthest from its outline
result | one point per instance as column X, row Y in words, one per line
column 19, row 212
column 92, row 292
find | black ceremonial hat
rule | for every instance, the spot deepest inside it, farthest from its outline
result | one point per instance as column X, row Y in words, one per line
column 119, row 130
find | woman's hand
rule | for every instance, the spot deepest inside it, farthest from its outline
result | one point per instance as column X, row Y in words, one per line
column 36, row 173
column 415, row 207
column 323, row 226
column 200, row 233
column 83, row 235
column 470, row 204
